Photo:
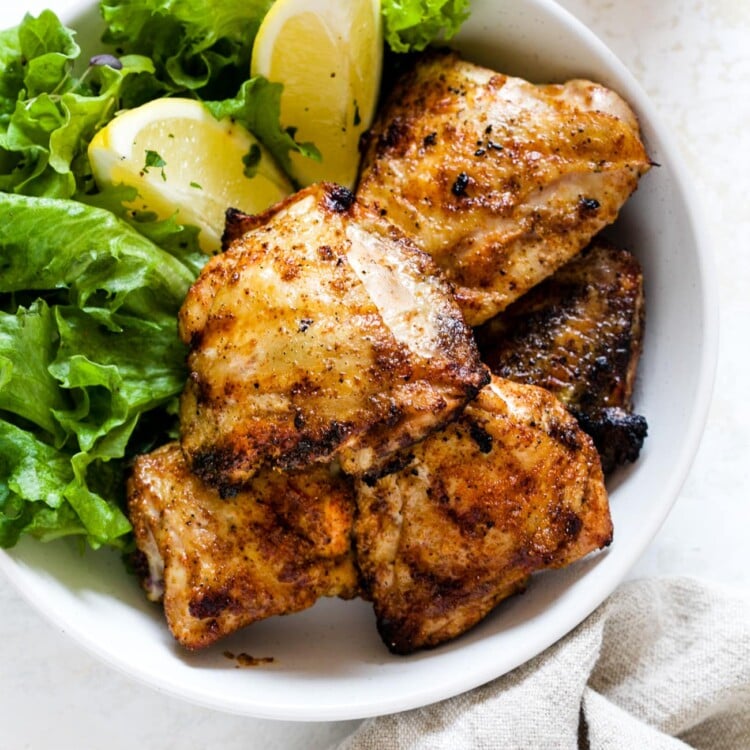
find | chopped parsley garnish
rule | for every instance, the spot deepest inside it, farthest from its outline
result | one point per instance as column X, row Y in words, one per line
column 153, row 159
column 251, row 160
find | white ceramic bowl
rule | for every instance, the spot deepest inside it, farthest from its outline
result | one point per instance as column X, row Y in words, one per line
column 328, row 661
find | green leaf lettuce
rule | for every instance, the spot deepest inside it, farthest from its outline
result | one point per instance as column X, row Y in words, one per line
column 94, row 351
column 410, row 25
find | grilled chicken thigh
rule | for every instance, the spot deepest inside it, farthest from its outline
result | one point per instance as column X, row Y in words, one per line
column 501, row 181
column 320, row 333
column 579, row 334
column 221, row 564
column 340, row 434
column 511, row 487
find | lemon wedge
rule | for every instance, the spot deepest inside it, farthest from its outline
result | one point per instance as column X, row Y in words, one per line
column 183, row 160
column 328, row 54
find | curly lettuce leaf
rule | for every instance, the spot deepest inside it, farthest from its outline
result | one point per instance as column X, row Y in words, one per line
column 48, row 116
column 50, row 244
column 33, row 476
column 28, row 344
column 34, row 57
column 114, row 367
column 179, row 240
column 94, row 354
column 11, row 65
column 41, row 492
column 410, row 25
column 195, row 45
column 48, row 49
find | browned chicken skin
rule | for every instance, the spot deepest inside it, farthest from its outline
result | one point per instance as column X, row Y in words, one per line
column 579, row 335
column 501, row 181
column 511, row 487
column 221, row 564
column 320, row 333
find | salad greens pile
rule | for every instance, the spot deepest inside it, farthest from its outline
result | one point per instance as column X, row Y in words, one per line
column 91, row 365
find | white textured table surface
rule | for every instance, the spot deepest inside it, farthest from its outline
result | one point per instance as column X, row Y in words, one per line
column 693, row 58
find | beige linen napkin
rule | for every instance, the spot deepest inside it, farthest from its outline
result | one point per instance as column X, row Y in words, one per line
column 662, row 664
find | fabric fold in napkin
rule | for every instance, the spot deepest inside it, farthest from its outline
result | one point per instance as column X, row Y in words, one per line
column 662, row 664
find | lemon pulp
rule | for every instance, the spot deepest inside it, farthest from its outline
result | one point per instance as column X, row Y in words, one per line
column 328, row 56
column 183, row 161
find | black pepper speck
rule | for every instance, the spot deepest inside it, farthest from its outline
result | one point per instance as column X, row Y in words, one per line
column 459, row 186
